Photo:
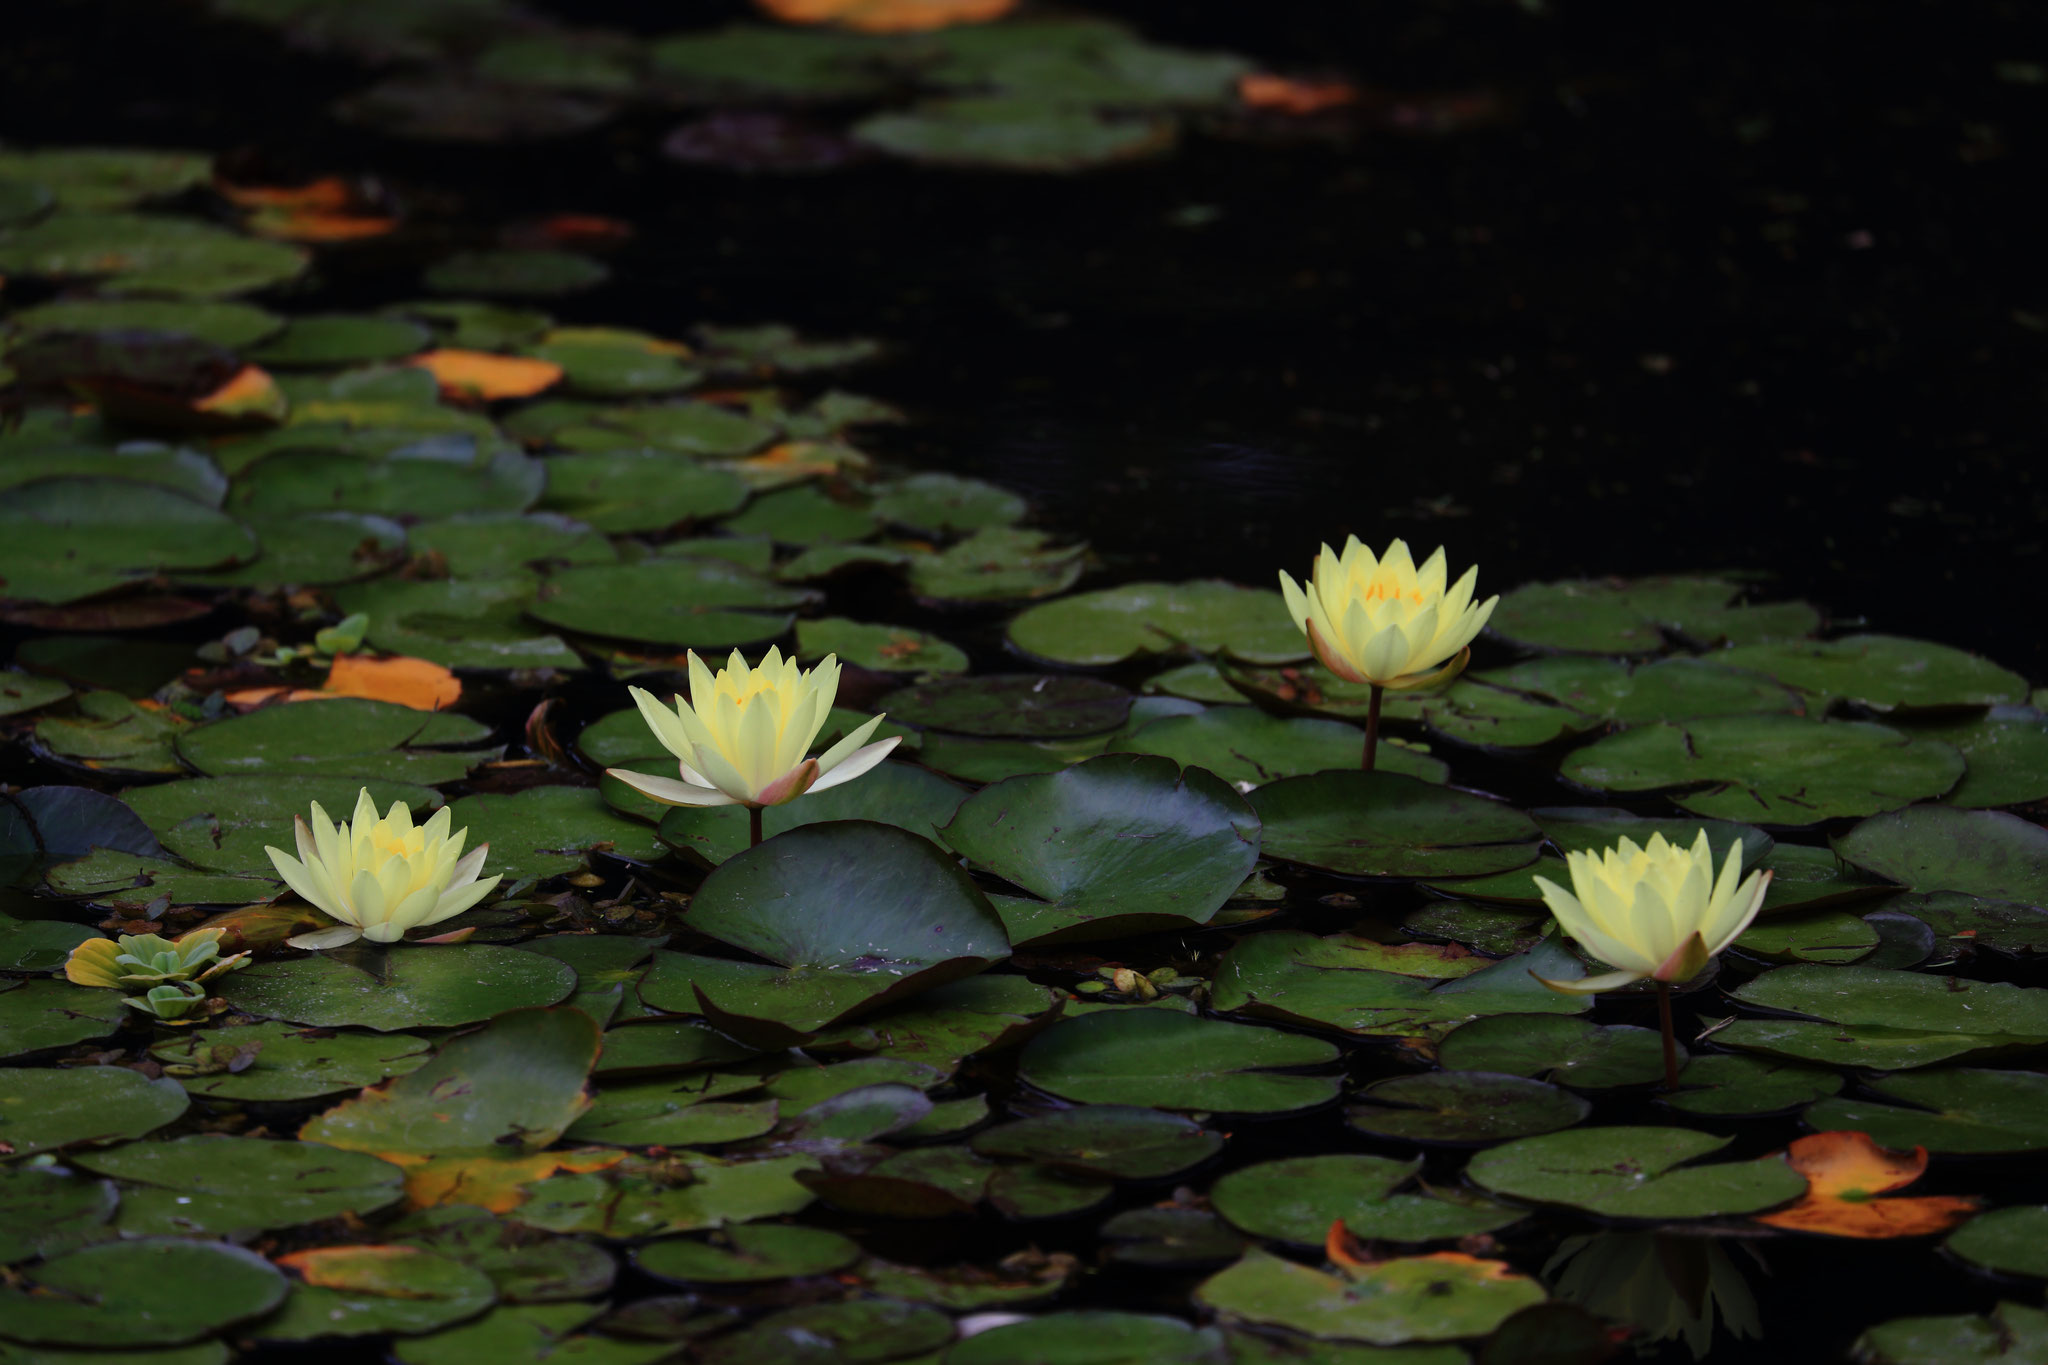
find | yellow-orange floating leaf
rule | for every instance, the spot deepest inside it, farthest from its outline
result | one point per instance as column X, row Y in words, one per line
column 252, row 395
column 483, row 376
column 487, row 1179
column 1286, row 95
column 385, row 1271
column 264, row 925
column 888, row 16
column 328, row 192
column 319, row 225
column 92, row 964
column 1345, row 1251
column 583, row 229
column 249, row 698
column 418, row 683
column 801, row 460
column 1845, row 1172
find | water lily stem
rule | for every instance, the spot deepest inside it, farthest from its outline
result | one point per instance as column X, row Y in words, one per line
column 754, row 825
column 1372, row 725
column 1670, row 1038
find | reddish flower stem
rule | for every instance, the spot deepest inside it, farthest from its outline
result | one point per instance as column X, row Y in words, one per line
column 754, row 825
column 1670, row 1038
column 1372, row 725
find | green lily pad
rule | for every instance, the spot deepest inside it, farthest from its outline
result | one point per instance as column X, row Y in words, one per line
column 1242, row 744
column 855, row 1332
column 1873, row 1046
column 946, row 503
column 289, row 1062
column 610, row 362
column 124, row 881
column 685, row 427
column 2007, row 752
column 1165, row 1060
column 21, row 692
column 1090, row 1337
column 1611, row 616
column 401, row 987
column 803, row 515
column 233, row 325
column 1637, row 1172
column 1491, row 930
column 997, row 564
column 222, row 1186
column 1112, row 1141
column 334, row 340
column 526, row 1266
column 312, row 548
column 1107, row 627
column 748, row 1255
column 1931, row 848
column 1809, row 878
column 1569, row 1051
column 42, row 1110
column 893, row 794
column 529, row 1334
column 54, row 1013
column 629, row 1204
column 2001, row 926
column 621, row 492
column 1381, row 824
column 1169, row 1238
column 2010, row 1241
column 368, row 1291
column 1463, row 1107
column 1883, row 672
column 1624, row 693
column 1779, row 769
column 174, row 467
column 693, row 602
column 608, row 967
column 749, row 61
column 667, row 1045
column 110, row 733
column 1810, row 936
column 1410, row 1298
column 1300, row 1199
column 1960, row 1109
column 515, row 274
column 148, row 255
column 495, row 544
column 886, row 649
column 2010, row 1334
column 993, row 760
column 948, row 1023
column 65, row 539
column 550, row 831
column 39, row 945
column 105, row 177
column 1118, row 844
column 1358, row 986
column 222, row 824
column 350, row 735
column 458, row 622
column 1874, row 997
column 1016, row 705
column 853, row 913
column 1726, row 1083
column 44, row 1211
column 157, row 1291
column 411, row 485
column 675, row 1112
column 514, row 1085
column 1014, row 134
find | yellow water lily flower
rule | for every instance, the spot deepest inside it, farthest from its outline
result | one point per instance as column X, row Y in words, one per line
column 742, row 737
column 1381, row 620
column 381, row 877
column 1654, row 911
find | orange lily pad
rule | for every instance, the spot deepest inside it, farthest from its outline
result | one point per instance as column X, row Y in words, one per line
column 480, row 376
column 418, row 683
column 376, row 1269
column 888, row 16
column 328, row 192
column 487, row 1179
column 1287, row 95
column 1845, row 1172
column 319, row 225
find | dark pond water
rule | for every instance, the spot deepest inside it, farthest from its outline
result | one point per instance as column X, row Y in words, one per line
column 1757, row 291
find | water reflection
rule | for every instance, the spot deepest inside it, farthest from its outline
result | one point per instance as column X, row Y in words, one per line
column 1664, row 1286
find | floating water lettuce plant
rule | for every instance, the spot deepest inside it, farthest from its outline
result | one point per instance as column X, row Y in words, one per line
column 742, row 737
column 1653, row 910
column 381, row 877
column 1381, row 621
column 167, row 972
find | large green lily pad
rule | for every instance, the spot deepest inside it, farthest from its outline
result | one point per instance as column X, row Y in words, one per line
column 41, row 1110
column 1637, row 1172
column 1465, row 1107
column 1012, row 705
column 156, row 1291
column 225, row 1186
column 1781, row 770
column 54, row 1013
column 1242, row 744
column 1883, row 672
column 106, row 177
column 1875, row 997
column 459, row 622
column 549, row 831
column 1113, row 1141
column 222, row 824
column 406, row 483
column 1932, row 848
column 899, row 794
column 2007, row 752
column 1613, row 616
column 695, row 602
column 1573, row 1052
column 399, row 987
column 1643, row 693
column 624, row 491
column 1118, row 844
column 1295, row 1199
column 63, row 539
column 1090, row 1337
column 373, row 1290
column 350, row 735
column 1167, row 1060
column 148, row 255
column 1960, row 1110
column 1382, row 824
column 1115, row 624
column 288, row 1061
column 2011, row 1334
column 2009, row 1241
column 1409, row 1298
column 45, row 1210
